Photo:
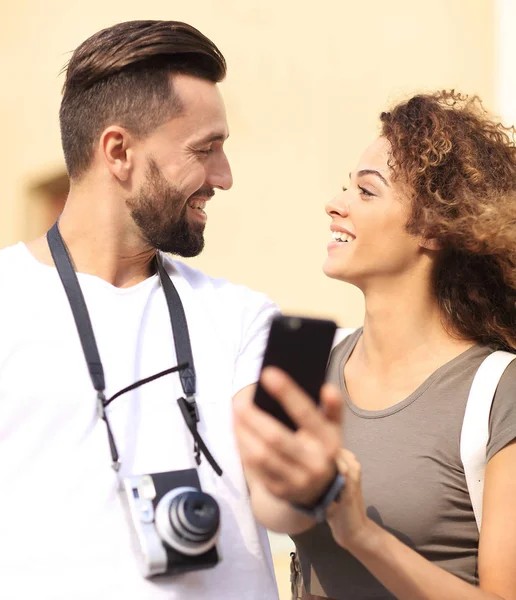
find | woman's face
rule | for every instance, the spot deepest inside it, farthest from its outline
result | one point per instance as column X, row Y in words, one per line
column 369, row 217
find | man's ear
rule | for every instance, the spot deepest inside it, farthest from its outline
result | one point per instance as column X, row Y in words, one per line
column 115, row 146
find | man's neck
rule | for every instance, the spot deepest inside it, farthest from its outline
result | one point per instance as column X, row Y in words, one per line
column 102, row 241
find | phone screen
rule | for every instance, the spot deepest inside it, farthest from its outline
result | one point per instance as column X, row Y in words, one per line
column 301, row 347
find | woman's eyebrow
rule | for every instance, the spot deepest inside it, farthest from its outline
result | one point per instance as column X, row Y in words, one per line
column 364, row 172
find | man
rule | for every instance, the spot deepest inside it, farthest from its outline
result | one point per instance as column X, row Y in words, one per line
column 143, row 129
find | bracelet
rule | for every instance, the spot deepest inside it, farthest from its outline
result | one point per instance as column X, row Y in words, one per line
column 319, row 509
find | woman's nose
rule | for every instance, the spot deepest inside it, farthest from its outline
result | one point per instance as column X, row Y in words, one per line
column 338, row 206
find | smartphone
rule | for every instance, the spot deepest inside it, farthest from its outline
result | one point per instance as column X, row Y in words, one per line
column 301, row 347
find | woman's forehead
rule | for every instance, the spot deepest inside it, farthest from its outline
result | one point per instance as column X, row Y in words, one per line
column 376, row 157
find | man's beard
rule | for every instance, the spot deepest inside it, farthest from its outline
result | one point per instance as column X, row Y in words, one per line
column 159, row 210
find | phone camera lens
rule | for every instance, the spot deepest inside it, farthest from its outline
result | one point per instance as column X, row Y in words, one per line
column 294, row 324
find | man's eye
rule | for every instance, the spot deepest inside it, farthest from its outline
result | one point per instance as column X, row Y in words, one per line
column 206, row 152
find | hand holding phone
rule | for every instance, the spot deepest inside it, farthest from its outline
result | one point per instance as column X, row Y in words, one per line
column 301, row 347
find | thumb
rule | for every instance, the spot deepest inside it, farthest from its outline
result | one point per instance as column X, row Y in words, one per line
column 332, row 403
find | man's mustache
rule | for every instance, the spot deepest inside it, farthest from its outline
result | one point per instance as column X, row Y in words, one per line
column 204, row 192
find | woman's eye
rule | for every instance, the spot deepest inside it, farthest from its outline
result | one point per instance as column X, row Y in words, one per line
column 364, row 191
column 344, row 188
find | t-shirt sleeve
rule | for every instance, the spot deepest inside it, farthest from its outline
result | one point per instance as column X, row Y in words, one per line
column 255, row 330
column 502, row 422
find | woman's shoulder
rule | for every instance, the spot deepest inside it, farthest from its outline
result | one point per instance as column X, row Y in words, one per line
column 502, row 420
column 343, row 344
column 344, row 333
column 344, row 341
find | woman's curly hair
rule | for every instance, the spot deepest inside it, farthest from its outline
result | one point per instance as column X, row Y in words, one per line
column 460, row 167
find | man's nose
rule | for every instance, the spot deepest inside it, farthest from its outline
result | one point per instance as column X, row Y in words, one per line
column 220, row 175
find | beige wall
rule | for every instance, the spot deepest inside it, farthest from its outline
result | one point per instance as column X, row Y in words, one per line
column 306, row 83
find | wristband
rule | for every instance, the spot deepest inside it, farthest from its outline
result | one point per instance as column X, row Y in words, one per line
column 318, row 510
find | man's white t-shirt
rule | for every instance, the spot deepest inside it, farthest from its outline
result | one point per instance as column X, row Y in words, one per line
column 63, row 529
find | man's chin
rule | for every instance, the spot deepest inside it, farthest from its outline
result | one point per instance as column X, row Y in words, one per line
column 185, row 248
column 190, row 253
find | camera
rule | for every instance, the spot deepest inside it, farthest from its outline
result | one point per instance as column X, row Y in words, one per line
column 175, row 523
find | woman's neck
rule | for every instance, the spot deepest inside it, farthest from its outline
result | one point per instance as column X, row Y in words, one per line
column 403, row 327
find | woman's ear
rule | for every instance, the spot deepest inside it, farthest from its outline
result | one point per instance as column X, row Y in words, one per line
column 430, row 244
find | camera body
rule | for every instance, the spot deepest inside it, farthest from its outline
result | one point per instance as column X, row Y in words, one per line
column 175, row 523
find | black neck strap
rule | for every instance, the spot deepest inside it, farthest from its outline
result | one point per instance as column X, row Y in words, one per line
column 180, row 334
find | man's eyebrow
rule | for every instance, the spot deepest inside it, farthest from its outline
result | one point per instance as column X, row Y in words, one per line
column 212, row 137
column 364, row 172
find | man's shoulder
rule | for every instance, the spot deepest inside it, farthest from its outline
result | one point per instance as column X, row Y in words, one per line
column 12, row 250
column 12, row 258
column 218, row 286
column 199, row 279
column 17, row 281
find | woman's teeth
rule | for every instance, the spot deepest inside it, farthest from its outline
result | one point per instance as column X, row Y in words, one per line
column 340, row 236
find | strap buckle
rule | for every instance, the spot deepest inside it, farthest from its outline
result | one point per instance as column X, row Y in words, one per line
column 101, row 405
column 193, row 409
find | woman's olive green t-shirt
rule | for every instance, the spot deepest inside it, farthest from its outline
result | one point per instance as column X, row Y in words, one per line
column 412, row 475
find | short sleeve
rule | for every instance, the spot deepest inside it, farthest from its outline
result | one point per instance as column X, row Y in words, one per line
column 502, row 422
column 255, row 330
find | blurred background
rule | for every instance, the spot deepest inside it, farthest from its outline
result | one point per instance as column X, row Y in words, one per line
column 306, row 83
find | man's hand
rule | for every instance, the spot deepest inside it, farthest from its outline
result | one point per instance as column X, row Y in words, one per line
column 296, row 466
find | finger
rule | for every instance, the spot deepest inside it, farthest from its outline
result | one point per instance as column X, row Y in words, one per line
column 347, row 456
column 348, row 464
column 300, row 407
column 281, row 476
column 305, row 463
column 332, row 403
column 277, row 437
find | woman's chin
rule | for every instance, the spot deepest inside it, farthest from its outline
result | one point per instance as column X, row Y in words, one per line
column 333, row 271
column 338, row 273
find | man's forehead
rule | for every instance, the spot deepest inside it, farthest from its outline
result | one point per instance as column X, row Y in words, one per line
column 192, row 91
column 202, row 112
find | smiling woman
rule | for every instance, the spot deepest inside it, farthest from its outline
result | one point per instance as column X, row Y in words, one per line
column 371, row 214
column 427, row 231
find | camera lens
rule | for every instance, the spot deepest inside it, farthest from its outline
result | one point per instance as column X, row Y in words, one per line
column 188, row 520
column 194, row 516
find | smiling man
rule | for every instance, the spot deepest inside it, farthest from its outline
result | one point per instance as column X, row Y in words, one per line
column 94, row 307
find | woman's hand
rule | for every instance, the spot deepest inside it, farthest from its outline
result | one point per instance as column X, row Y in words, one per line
column 347, row 519
column 296, row 466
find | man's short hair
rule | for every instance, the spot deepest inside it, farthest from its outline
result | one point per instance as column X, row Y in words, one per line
column 122, row 75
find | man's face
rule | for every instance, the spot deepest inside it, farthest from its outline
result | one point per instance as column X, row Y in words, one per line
column 160, row 211
column 181, row 164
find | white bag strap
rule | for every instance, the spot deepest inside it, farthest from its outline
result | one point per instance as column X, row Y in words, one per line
column 341, row 333
column 475, row 426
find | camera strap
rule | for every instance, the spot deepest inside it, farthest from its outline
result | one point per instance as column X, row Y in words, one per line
column 179, row 325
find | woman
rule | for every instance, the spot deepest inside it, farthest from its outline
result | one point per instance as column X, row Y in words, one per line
column 427, row 230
